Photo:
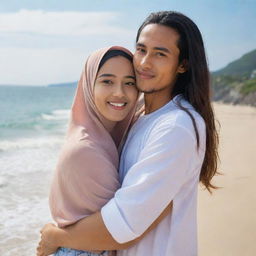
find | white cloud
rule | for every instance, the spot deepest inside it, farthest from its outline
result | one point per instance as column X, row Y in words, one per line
column 32, row 66
column 24, row 66
column 61, row 23
column 38, row 47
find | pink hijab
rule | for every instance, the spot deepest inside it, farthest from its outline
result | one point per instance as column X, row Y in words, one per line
column 86, row 175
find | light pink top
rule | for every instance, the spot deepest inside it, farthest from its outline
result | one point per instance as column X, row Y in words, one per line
column 86, row 175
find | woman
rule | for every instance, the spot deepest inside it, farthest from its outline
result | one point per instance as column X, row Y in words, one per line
column 86, row 176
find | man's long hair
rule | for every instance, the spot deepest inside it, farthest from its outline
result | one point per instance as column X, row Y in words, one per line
column 194, row 84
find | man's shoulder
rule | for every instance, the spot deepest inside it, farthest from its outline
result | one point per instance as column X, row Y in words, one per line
column 176, row 117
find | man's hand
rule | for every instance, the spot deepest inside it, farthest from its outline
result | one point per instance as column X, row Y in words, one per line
column 47, row 244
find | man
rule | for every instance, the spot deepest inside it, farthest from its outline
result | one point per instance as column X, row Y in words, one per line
column 169, row 150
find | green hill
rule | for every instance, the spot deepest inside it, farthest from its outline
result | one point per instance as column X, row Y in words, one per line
column 236, row 83
column 241, row 67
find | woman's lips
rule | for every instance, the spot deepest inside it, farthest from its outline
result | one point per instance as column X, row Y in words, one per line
column 117, row 106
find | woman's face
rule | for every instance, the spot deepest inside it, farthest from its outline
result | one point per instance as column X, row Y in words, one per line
column 115, row 91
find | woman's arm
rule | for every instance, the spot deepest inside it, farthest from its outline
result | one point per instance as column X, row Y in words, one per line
column 89, row 233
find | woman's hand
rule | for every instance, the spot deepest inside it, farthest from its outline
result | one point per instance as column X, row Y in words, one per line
column 47, row 244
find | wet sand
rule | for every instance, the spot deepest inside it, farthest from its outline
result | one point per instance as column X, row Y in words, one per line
column 227, row 218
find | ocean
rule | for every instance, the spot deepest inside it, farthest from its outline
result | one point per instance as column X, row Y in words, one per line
column 33, row 122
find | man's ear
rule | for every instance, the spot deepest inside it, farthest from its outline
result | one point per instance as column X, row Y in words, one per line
column 183, row 67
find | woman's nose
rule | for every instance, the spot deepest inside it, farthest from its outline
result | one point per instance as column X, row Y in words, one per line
column 119, row 90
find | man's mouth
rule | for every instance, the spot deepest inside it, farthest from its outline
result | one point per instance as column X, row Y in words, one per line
column 145, row 75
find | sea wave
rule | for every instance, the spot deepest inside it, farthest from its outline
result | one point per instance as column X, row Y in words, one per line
column 35, row 121
column 59, row 114
column 24, row 143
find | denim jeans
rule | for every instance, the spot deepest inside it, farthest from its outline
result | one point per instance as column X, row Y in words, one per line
column 71, row 252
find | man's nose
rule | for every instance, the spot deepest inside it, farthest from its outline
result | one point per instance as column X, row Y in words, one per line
column 145, row 62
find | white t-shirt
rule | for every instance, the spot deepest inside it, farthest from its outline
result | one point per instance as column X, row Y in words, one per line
column 160, row 162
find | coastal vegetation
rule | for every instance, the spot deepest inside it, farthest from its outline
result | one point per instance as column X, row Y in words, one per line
column 236, row 83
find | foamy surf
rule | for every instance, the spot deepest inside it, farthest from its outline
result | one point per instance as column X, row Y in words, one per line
column 32, row 131
column 59, row 114
column 25, row 177
column 3, row 181
column 32, row 143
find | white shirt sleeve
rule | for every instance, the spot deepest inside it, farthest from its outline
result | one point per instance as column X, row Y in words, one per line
column 164, row 165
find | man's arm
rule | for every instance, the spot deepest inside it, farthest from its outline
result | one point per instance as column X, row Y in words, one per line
column 148, row 187
column 90, row 234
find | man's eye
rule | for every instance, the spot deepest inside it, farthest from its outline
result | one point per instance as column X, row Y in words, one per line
column 160, row 54
column 140, row 50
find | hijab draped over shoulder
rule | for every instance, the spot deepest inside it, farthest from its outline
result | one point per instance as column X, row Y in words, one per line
column 86, row 175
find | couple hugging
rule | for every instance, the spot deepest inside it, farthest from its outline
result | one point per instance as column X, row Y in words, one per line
column 127, row 177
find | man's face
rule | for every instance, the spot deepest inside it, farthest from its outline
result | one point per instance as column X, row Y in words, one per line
column 156, row 59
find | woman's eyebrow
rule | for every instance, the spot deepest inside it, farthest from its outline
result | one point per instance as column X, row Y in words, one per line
column 112, row 75
column 132, row 77
column 106, row 75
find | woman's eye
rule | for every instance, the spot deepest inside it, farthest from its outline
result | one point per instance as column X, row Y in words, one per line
column 130, row 83
column 108, row 82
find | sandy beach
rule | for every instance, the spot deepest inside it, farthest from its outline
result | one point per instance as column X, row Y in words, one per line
column 227, row 218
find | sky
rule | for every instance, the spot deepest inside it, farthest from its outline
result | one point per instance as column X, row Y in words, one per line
column 47, row 41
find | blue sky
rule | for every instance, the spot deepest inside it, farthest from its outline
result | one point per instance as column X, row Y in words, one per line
column 47, row 41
